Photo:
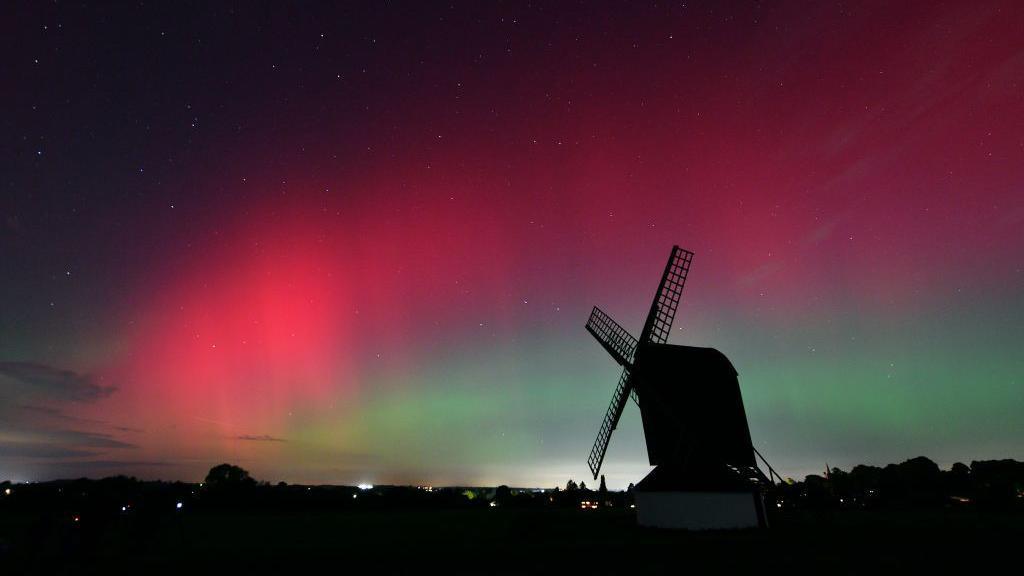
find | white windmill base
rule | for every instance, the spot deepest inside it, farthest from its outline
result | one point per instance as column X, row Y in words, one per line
column 699, row 510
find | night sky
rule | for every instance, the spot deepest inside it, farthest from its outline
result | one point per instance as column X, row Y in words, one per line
column 359, row 243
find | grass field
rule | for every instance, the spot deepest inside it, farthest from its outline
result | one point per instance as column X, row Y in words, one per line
column 510, row 541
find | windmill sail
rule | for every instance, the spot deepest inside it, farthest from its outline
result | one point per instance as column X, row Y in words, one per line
column 666, row 301
column 622, row 346
column 614, row 338
column 611, row 420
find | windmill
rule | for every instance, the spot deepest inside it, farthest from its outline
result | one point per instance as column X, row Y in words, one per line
column 705, row 474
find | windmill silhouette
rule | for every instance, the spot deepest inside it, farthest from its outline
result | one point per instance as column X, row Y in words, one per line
column 705, row 473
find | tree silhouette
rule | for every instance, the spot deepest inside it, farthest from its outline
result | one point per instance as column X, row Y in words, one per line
column 502, row 494
column 228, row 476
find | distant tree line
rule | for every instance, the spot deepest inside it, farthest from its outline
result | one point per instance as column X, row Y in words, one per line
column 914, row 482
column 992, row 484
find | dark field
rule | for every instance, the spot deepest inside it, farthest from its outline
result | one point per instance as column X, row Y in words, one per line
column 509, row 541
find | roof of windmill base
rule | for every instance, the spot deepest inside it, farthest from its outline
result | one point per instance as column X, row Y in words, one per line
column 710, row 358
column 705, row 478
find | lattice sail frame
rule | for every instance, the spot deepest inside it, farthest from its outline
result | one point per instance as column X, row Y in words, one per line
column 666, row 302
column 622, row 346
column 615, row 339
column 611, row 420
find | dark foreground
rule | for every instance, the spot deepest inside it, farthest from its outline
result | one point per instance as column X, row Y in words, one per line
column 511, row 541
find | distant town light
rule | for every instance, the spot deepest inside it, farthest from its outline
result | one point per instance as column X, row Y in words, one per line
column 365, row 486
column 7, row 491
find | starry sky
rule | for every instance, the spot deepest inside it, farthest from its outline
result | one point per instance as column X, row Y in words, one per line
column 359, row 243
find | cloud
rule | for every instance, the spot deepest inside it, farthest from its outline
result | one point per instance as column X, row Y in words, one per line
column 113, row 465
column 45, row 411
column 74, row 464
column 44, row 443
column 759, row 274
column 260, row 438
column 38, row 380
column 89, row 439
column 39, row 427
column 820, row 234
column 42, row 413
column 39, row 450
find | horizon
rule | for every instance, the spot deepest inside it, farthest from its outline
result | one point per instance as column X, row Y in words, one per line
column 359, row 244
column 420, row 486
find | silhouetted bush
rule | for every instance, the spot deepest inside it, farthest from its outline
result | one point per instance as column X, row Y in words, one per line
column 228, row 476
column 915, row 482
column 997, row 483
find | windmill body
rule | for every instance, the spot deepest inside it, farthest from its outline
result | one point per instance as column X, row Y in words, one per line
column 696, row 430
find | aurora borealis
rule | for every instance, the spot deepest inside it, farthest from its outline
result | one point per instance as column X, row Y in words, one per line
column 359, row 244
